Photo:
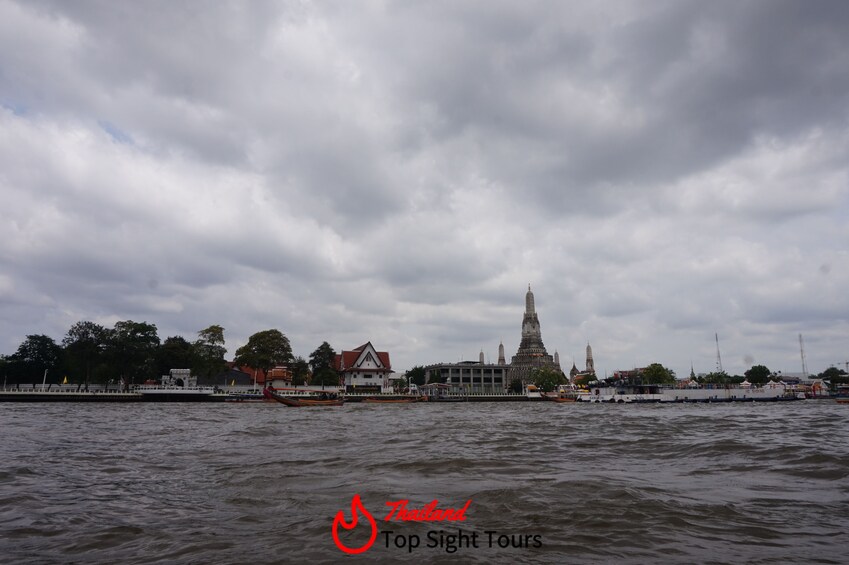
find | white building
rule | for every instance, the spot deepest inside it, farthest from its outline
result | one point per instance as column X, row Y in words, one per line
column 364, row 369
column 470, row 377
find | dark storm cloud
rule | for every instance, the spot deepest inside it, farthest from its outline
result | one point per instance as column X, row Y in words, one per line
column 669, row 94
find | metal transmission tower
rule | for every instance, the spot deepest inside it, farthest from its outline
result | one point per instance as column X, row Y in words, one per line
column 804, row 361
column 718, row 356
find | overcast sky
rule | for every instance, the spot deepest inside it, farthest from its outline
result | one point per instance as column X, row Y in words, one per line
column 399, row 172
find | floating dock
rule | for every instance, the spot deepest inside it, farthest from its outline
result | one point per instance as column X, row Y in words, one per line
column 30, row 395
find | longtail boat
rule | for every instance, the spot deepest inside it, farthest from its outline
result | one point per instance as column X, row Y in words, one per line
column 297, row 402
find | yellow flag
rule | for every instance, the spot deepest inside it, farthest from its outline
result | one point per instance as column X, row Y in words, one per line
column 64, row 382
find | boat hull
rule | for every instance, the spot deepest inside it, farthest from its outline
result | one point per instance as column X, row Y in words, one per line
column 180, row 396
column 300, row 402
column 706, row 395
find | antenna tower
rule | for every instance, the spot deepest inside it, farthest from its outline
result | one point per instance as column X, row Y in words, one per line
column 718, row 356
column 804, row 361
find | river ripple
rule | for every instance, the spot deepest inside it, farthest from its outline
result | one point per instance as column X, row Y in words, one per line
column 260, row 483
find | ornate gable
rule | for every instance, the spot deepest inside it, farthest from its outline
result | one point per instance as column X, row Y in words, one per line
column 364, row 358
column 368, row 358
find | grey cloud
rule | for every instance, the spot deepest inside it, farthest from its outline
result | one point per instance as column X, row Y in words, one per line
column 399, row 172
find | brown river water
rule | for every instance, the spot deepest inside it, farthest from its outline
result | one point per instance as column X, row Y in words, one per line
column 547, row 483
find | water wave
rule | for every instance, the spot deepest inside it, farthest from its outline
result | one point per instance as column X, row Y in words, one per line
column 260, row 483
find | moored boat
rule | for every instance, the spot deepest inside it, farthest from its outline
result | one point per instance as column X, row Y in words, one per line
column 641, row 393
column 330, row 400
column 533, row 392
column 162, row 393
column 565, row 393
column 390, row 400
column 246, row 397
column 178, row 386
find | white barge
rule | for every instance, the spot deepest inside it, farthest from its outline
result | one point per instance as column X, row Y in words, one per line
column 770, row 392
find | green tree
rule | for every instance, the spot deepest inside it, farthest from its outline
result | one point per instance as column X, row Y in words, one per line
column 265, row 350
column 209, row 351
column 417, row 375
column 547, row 378
column 324, row 357
column 758, row 374
column 516, row 385
column 36, row 354
column 84, row 345
column 175, row 353
column 323, row 361
column 300, row 371
column 132, row 348
column 657, row 374
column 716, row 377
column 324, row 377
column 435, row 376
column 840, row 379
column 401, row 385
column 834, row 375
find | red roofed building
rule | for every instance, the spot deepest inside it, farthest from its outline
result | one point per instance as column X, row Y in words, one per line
column 364, row 369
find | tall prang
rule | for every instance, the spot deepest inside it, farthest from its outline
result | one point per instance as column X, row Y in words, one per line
column 531, row 354
column 590, row 363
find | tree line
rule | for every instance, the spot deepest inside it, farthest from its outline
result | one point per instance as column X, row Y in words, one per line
column 547, row 378
column 129, row 351
column 132, row 352
column 760, row 374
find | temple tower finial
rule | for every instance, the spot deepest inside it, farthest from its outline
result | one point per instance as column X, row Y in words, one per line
column 529, row 302
column 590, row 363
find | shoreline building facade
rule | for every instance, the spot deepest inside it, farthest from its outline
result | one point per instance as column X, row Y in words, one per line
column 469, row 377
column 364, row 369
column 531, row 354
